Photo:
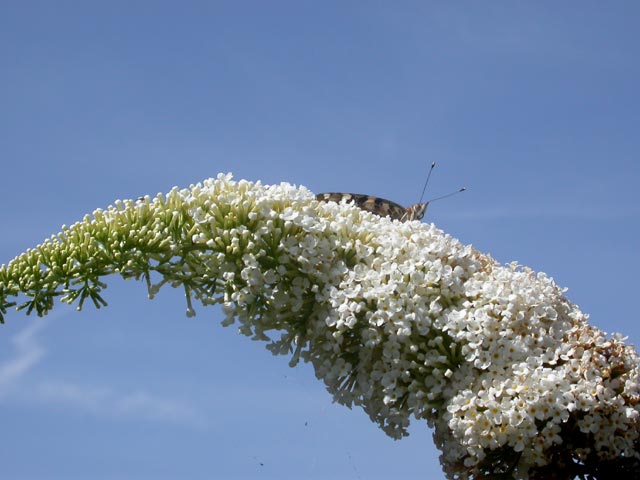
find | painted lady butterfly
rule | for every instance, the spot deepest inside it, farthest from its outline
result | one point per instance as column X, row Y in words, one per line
column 386, row 208
column 379, row 206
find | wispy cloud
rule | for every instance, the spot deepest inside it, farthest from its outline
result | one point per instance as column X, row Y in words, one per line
column 99, row 400
column 107, row 402
column 27, row 353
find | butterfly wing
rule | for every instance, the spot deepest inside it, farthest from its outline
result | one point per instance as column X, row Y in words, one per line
column 376, row 205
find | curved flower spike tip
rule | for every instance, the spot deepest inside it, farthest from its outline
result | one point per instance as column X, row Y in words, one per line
column 397, row 318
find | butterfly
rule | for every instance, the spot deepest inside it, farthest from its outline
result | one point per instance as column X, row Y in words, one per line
column 377, row 205
column 383, row 207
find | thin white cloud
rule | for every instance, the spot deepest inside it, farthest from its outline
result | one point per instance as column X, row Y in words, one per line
column 107, row 402
column 28, row 353
column 101, row 401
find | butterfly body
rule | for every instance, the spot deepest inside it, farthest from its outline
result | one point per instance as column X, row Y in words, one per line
column 377, row 205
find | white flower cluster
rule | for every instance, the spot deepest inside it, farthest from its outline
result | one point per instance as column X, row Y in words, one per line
column 404, row 321
column 535, row 375
column 397, row 318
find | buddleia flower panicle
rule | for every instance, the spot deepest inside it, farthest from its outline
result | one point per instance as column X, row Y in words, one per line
column 397, row 318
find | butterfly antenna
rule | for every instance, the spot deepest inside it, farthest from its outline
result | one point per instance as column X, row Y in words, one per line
column 424, row 189
column 448, row 195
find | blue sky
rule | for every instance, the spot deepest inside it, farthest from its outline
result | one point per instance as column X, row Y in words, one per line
column 533, row 106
